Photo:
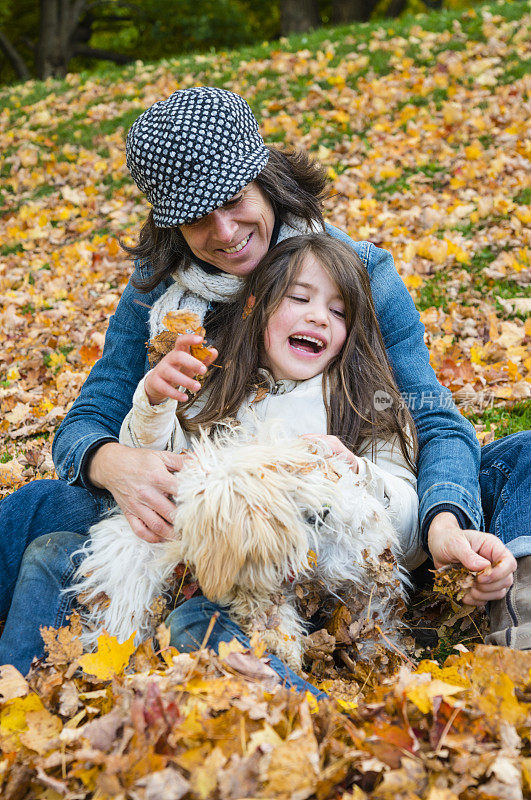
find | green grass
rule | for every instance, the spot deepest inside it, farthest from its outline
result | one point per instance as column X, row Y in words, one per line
column 434, row 292
column 523, row 198
column 506, row 420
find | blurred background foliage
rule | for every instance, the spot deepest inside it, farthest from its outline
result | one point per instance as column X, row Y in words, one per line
column 46, row 38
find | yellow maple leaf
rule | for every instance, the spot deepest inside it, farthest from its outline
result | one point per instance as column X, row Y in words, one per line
column 13, row 718
column 474, row 151
column 234, row 646
column 110, row 657
column 477, row 354
column 423, row 694
column 514, row 373
column 413, row 281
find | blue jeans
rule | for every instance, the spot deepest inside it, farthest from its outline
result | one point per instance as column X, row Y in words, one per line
column 505, row 482
column 48, row 567
column 48, row 506
column 189, row 623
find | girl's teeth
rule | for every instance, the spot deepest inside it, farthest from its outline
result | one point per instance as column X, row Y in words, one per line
column 238, row 246
column 311, row 339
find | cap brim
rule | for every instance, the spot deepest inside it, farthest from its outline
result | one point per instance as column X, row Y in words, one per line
column 196, row 199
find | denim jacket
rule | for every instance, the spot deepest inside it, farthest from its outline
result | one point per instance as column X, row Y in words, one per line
column 449, row 453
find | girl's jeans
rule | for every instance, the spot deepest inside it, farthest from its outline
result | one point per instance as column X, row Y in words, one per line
column 45, row 507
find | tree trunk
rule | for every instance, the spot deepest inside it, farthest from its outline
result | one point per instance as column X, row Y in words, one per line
column 58, row 21
column 395, row 8
column 17, row 62
column 344, row 11
column 298, row 16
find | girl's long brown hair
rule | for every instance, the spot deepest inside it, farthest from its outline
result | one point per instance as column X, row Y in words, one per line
column 351, row 381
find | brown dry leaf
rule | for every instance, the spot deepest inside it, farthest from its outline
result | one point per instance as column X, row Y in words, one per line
column 176, row 324
column 11, row 475
column 453, row 581
column 69, row 701
column 63, row 646
column 12, row 683
column 43, row 729
column 293, row 767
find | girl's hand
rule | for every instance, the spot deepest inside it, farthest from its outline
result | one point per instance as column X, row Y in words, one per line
column 336, row 447
column 177, row 368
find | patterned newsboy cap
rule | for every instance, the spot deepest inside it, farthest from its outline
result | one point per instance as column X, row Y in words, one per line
column 191, row 153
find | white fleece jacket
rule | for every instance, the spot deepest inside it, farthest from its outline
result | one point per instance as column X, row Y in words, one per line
column 297, row 406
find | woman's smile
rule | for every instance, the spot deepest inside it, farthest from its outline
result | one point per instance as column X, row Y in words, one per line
column 235, row 236
column 239, row 247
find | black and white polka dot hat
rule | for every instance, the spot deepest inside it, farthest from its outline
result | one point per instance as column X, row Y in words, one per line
column 191, row 153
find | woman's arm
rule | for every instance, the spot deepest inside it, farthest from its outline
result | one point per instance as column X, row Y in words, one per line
column 449, row 453
column 106, row 396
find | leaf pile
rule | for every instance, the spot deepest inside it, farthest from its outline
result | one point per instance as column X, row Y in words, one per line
column 423, row 128
column 156, row 725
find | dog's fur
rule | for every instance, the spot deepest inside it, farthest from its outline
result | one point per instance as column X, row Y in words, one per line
column 248, row 512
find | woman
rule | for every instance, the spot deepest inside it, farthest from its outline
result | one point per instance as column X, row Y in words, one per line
column 220, row 198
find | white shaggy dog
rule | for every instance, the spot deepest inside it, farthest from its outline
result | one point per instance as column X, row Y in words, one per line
column 248, row 513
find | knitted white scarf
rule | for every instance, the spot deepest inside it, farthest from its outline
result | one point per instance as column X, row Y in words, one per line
column 194, row 289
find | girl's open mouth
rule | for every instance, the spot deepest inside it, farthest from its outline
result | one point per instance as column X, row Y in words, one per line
column 307, row 344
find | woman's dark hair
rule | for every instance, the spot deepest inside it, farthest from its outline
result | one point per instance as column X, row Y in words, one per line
column 293, row 184
column 353, row 381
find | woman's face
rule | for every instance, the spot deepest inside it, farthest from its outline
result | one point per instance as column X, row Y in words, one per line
column 235, row 236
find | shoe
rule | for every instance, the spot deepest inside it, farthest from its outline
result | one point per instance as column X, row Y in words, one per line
column 510, row 617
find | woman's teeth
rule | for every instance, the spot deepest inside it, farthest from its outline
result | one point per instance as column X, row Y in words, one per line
column 238, row 246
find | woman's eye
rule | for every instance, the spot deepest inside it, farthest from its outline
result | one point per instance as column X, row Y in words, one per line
column 234, row 201
column 338, row 312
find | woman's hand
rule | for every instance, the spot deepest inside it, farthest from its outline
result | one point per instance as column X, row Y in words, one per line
column 177, row 368
column 336, row 447
column 477, row 551
column 142, row 483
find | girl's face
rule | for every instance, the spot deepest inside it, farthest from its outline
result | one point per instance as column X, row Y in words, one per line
column 308, row 328
column 235, row 236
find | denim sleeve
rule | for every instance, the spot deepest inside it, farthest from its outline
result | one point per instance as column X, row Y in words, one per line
column 106, row 396
column 449, row 453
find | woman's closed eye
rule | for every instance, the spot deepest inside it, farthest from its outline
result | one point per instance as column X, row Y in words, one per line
column 338, row 312
column 196, row 223
column 233, row 201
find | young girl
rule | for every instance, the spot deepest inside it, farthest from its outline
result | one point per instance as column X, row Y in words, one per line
column 300, row 345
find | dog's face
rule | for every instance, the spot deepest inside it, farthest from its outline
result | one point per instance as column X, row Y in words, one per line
column 241, row 510
column 249, row 534
column 242, row 545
